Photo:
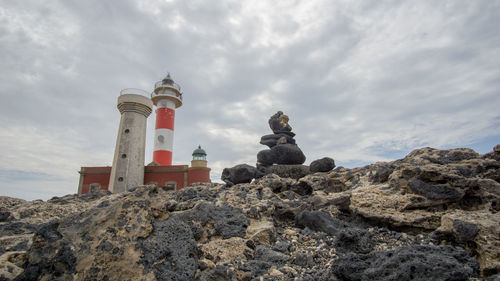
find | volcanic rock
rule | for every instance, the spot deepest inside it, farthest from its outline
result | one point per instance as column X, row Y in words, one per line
column 242, row 173
column 430, row 216
column 325, row 164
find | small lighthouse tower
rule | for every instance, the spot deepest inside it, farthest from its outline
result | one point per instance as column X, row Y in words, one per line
column 167, row 96
column 199, row 158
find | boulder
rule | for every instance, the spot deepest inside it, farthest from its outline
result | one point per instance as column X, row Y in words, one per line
column 325, row 164
column 241, row 173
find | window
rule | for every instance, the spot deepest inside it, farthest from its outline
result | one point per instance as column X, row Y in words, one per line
column 94, row 187
column 170, row 185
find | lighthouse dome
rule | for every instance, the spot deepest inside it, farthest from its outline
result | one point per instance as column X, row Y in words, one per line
column 199, row 153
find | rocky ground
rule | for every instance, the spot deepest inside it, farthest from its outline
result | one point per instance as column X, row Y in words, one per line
column 433, row 215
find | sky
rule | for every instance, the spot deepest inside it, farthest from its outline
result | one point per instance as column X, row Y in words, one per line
column 361, row 81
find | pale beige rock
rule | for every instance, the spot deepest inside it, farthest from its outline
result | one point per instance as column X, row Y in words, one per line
column 374, row 203
column 226, row 250
column 260, row 231
column 8, row 269
column 487, row 240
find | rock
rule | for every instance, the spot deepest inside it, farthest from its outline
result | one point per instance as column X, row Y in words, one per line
column 320, row 221
column 407, row 263
column 381, row 222
column 220, row 272
column 288, row 171
column 242, row 173
column 170, row 251
column 266, row 157
column 279, row 123
column 288, row 154
column 264, row 253
column 355, row 240
column 325, row 164
column 225, row 250
column 274, row 139
column 437, row 192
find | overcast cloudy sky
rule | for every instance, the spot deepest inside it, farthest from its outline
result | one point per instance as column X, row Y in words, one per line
column 362, row 81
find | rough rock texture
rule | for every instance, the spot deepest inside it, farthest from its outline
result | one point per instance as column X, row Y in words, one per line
column 433, row 215
column 241, row 173
column 325, row 164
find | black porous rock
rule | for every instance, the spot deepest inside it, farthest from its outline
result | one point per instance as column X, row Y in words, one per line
column 282, row 154
column 288, row 154
column 274, row 139
column 465, row 231
column 325, row 164
column 170, row 250
column 434, row 192
column 264, row 253
column 266, row 157
column 241, row 173
column 220, row 272
column 287, row 171
column 407, row 263
column 279, row 123
column 320, row 221
column 354, row 240
column 42, row 261
column 226, row 221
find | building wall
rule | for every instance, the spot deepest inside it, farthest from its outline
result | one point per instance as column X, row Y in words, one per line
column 198, row 174
column 91, row 175
column 163, row 176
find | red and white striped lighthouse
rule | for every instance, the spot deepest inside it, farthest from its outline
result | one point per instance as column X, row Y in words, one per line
column 167, row 96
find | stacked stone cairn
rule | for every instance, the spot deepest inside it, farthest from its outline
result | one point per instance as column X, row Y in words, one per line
column 283, row 149
column 283, row 158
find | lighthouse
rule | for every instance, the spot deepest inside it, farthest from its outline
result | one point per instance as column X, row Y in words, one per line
column 167, row 96
column 128, row 162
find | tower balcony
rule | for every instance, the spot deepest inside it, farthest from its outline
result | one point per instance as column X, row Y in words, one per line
column 171, row 91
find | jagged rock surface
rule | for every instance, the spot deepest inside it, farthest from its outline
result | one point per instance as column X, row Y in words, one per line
column 433, row 215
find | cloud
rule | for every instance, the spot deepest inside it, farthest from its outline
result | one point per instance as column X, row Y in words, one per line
column 361, row 81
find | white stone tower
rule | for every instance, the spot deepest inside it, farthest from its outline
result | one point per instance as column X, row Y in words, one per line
column 128, row 162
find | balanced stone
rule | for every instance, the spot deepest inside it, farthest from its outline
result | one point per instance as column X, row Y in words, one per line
column 283, row 149
column 279, row 123
column 325, row 164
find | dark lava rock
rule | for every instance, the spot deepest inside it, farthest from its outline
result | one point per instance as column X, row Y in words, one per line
column 220, row 272
column 279, row 123
column 466, row 231
column 170, row 251
column 241, row 173
column 44, row 261
column 320, row 221
column 274, row 139
column 434, row 192
column 288, row 154
column 227, row 222
column 5, row 216
column 266, row 157
column 325, row 164
column 287, row 171
column 408, row 263
column 354, row 240
column 264, row 253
